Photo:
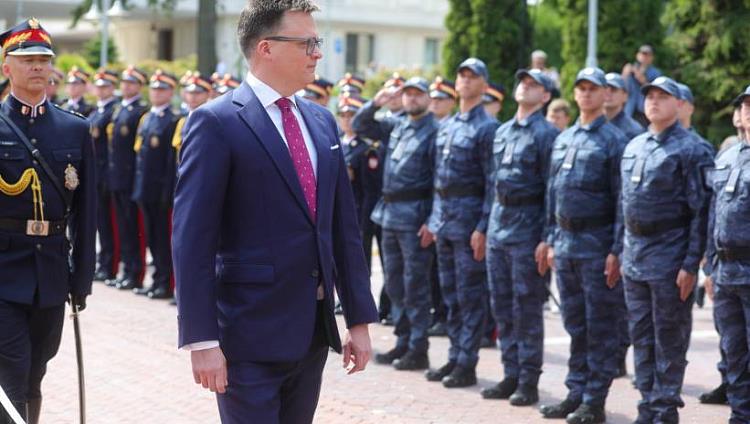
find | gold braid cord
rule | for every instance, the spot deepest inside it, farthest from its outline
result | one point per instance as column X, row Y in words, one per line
column 28, row 178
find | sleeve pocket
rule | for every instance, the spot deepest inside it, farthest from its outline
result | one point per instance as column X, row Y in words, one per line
column 246, row 273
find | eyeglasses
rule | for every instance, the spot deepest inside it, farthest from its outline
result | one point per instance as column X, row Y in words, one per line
column 312, row 43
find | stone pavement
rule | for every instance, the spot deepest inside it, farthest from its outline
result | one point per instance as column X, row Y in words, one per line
column 135, row 374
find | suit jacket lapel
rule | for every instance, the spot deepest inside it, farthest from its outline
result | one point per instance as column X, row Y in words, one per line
column 254, row 115
column 316, row 127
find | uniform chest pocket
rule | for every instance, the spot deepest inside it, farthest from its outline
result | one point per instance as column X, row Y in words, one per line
column 627, row 162
column 662, row 172
column 718, row 177
column 12, row 154
column 592, row 168
column 557, row 156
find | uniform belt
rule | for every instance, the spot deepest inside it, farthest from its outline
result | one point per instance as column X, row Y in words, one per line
column 408, row 195
column 460, row 191
column 583, row 223
column 646, row 229
column 733, row 254
column 532, row 199
column 21, row 226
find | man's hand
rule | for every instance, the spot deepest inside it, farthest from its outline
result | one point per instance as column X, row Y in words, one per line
column 540, row 256
column 210, row 369
column 478, row 245
column 426, row 238
column 357, row 348
column 612, row 270
column 551, row 257
column 708, row 284
column 79, row 300
column 627, row 70
column 385, row 95
column 686, row 283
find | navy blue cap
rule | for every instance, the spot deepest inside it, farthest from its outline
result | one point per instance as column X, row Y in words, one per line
column 538, row 76
column 419, row 83
column 475, row 65
column 615, row 80
column 685, row 93
column 593, row 75
column 741, row 98
column 666, row 84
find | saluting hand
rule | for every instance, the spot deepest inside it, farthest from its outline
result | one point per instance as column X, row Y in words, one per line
column 357, row 348
column 686, row 283
column 210, row 369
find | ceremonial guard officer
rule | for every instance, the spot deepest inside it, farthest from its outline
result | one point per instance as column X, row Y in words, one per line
column 122, row 132
column 351, row 84
column 444, row 97
column 685, row 116
column 55, row 79
column 196, row 90
column 459, row 222
column 224, row 85
column 352, row 146
column 153, row 184
column 108, row 260
column 319, row 91
column 402, row 212
column 584, row 246
column 614, row 107
column 493, row 99
column 517, row 275
column 47, row 191
column 665, row 203
column 728, row 254
column 75, row 87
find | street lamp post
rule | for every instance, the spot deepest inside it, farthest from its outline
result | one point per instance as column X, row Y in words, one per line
column 103, row 53
column 591, row 53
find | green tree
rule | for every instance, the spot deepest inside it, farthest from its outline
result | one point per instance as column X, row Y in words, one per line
column 712, row 56
column 622, row 27
column 92, row 51
column 547, row 29
column 457, row 46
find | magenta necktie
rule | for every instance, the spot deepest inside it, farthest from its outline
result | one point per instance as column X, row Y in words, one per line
column 299, row 153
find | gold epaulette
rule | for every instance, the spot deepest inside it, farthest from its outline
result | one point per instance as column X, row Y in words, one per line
column 177, row 138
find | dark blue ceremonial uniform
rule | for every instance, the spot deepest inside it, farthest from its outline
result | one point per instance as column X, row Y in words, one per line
column 665, row 205
column 123, row 130
column 82, row 107
column 99, row 120
column 586, row 171
column 153, row 187
column 728, row 258
column 462, row 180
column 38, row 273
column 521, row 152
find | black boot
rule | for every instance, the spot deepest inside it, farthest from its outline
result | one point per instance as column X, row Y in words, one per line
column 460, row 377
column 524, row 395
column 501, row 390
column 127, row 283
column 700, row 296
column 143, row 291
column 160, row 293
column 412, row 361
column 622, row 370
column 587, row 414
column 390, row 356
column 717, row 396
column 440, row 373
column 102, row 275
column 560, row 410
column 33, row 410
column 437, row 330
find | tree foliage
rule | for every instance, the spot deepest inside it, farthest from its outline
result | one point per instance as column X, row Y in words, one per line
column 92, row 51
column 457, row 46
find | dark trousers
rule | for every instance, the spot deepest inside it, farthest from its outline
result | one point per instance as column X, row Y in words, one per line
column 106, row 232
column 439, row 310
column 732, row 313
column 370, row 231
column 156, row 223
column 29, row 338
column 276, row 392
column 126, row 212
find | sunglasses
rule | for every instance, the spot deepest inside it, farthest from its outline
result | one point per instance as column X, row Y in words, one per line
column 311, row 44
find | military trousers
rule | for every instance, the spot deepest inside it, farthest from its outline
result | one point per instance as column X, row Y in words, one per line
column 591, row 313
column 29, row 338
column 732, row 313
column 106, row 258
column 722, row 364
column 156, row 220
column 126, row 212
column 517, row 295
column 407, row 269
column 463, row 283
column 660, row 326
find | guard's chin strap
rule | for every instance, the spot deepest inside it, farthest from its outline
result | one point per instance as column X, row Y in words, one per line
column 9, row 408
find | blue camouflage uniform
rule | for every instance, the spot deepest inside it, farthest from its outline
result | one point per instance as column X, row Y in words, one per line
column 521, row 151
column 728, row 254
column 629, row 126
column 665, row 203
column 99, row 119
column 584, row 189
column 404, row 207
column 462, row 179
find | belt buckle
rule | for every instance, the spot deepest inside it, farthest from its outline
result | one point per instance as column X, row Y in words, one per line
column 37, row 228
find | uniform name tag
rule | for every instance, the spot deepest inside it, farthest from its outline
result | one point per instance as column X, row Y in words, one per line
column 734, row 176
column 638, row 171
column 37, row 228
column 508, row 153
column 570, row 157
column 447, row 147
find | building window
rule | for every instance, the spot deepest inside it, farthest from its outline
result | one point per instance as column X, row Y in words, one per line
column 431, row 51
column 165, row 46
column 360, row 51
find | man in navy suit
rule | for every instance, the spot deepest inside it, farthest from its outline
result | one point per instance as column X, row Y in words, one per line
column 264, row 227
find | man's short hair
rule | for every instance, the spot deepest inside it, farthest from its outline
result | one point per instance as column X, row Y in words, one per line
column 260, row 18
column 559, row 105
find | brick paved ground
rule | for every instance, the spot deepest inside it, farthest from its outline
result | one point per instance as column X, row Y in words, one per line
column 136, row 375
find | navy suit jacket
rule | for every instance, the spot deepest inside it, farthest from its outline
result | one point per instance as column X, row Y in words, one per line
column 248, row 257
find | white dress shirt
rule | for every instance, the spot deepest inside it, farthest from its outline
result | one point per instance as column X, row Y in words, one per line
column 267, row 97
column 130, row 101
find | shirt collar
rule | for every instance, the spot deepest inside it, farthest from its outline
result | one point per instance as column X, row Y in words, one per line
column 419, row 123
column 105, row 102
column 130, row 101
column 593, row 126
column 74, row 102
column 27, row 109
column 537, row 115
column 266, row 95
column 472, row 114
column 661, row 137
column 159, row 109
